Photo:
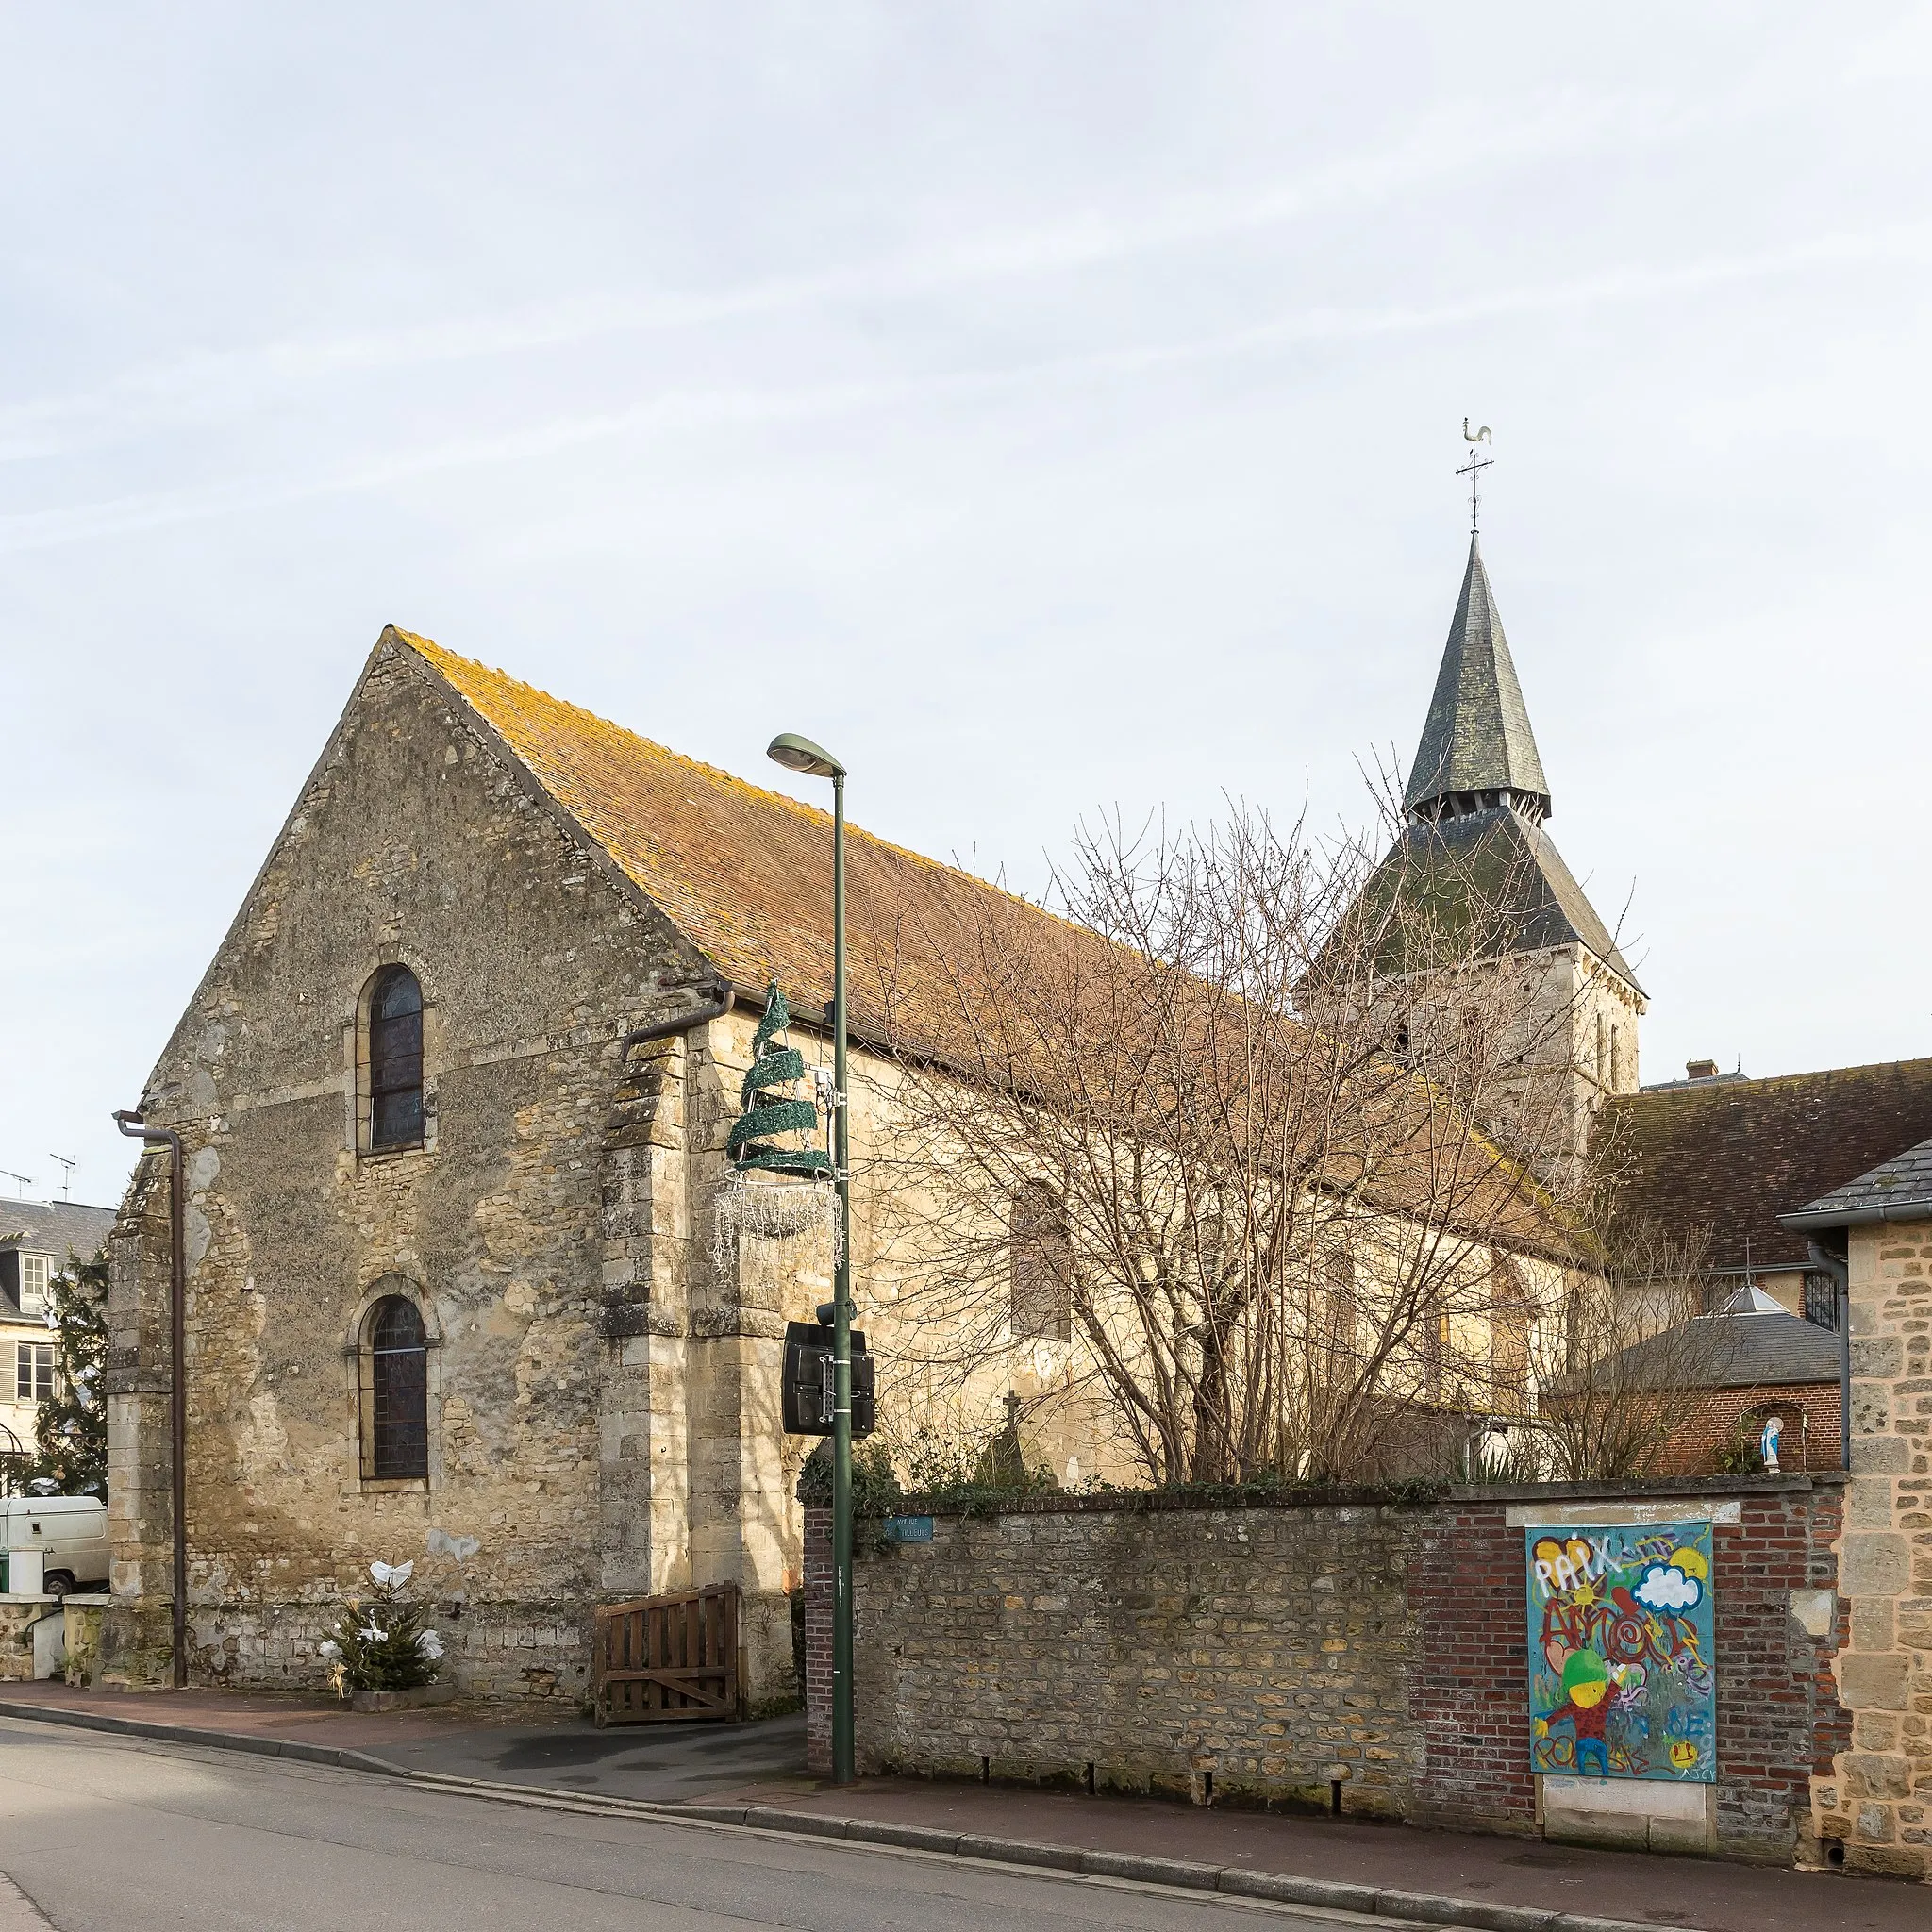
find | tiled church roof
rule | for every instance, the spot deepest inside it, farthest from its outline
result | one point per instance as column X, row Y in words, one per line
column 745, row 874
column 1477, row 737
column 1733, row 1155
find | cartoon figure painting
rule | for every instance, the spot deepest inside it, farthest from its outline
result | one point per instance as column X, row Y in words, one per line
column 1621, row 1678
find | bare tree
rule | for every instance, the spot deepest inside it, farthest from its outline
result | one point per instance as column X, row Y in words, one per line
column 1624, row 1369
column 1204, row 1134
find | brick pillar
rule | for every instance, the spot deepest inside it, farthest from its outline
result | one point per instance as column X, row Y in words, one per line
column 818, row 1639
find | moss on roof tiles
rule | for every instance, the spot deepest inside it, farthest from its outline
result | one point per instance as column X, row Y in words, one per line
column 745, row 874
column 1732, row 1156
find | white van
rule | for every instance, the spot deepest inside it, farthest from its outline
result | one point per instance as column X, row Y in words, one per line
column 69, row 1532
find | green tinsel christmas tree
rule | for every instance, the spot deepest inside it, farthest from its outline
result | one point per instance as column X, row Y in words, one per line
column 771, row 1107
column 773, row 1192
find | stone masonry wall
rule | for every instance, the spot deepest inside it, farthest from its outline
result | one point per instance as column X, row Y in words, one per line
column 523, row 1227
column 1262, row 1650
column 1362, row 1655
column 1873, row 1803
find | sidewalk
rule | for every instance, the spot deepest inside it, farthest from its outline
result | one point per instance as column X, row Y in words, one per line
column 723, row 1770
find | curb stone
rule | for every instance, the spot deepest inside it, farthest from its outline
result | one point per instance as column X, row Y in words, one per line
column 335, row 1755
column 1425, row 1908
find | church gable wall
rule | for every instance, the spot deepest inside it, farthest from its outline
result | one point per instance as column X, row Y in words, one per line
column 524, row 1218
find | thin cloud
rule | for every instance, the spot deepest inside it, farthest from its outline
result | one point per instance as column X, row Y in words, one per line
column 221, row 386
column 679, row 410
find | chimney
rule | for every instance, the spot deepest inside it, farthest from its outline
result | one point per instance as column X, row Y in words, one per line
column 1700, row 1070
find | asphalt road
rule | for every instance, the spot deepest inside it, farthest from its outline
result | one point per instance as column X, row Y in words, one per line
column 663, row 1762
column 111, row 1835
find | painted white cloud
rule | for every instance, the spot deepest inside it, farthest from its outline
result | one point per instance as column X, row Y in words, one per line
column 1665, row 1589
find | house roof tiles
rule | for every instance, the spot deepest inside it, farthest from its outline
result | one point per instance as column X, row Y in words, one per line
column 1727, row 1351
column 1733, row 1155
column 1896, row 1190
column 55, row 1227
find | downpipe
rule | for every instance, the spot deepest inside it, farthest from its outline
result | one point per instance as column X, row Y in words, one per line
column 131, row 1123
column 721, row 1002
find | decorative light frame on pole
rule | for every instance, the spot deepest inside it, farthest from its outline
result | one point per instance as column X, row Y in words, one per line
column 798, row 753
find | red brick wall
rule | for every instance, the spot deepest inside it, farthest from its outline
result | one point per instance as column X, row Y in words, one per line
column 1778, row 1717
column 818, row 1639
column 1469, row 1692
column 1708, row 1424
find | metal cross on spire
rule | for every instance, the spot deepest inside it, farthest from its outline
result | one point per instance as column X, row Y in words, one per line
column 1474, row 467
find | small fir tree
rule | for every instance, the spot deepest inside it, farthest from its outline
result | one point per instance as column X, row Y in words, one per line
column 382, row 1645
column 71, row 1426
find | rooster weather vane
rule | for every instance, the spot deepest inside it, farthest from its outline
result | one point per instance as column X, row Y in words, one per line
column 1474, row 467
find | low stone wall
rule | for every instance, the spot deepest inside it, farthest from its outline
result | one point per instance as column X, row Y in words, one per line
column 490, row 1650
column 1350, row 1652
column 20, row 1618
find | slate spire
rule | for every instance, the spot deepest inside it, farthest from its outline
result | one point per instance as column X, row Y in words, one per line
column 1477, row 749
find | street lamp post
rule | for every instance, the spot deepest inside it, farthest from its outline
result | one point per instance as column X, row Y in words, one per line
column 801, row 754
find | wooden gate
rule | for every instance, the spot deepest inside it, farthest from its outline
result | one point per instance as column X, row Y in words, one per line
column 666, row 1659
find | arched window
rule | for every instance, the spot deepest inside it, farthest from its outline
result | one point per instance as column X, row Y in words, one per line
column 1343, row 1316
column 1039, row 1266
column 395, row 1391
column 1509, row 1312
column 395, row 1060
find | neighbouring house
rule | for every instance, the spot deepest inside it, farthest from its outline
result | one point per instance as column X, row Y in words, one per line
column 1713, row 1382
column 38, row 1241
column 1873, row 1807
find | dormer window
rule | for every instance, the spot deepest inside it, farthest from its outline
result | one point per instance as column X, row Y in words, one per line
column 35, row 1281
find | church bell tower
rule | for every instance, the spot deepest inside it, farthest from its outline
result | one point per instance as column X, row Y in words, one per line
column 1474, row 812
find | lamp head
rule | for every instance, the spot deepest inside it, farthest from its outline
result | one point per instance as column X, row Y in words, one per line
column 798, row 753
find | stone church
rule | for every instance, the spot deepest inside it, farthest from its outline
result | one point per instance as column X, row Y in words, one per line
column 453, row 1093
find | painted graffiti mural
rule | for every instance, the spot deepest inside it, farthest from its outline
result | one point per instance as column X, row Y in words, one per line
column 1621, row 1677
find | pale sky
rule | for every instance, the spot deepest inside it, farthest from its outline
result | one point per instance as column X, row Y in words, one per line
column 1048, row 407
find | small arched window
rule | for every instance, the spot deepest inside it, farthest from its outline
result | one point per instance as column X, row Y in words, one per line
column 1039, row 1266
column 395, row 1389
column 1342, row 1315
column 1509, row 1312
column 395, row 1060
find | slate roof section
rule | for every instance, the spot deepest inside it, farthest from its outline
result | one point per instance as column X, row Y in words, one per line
column 1733, row 1157
column 1478, row 735
column 1728, row 1352
column 1896, row 1190
column 1528, row 897
column 55, row 1227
